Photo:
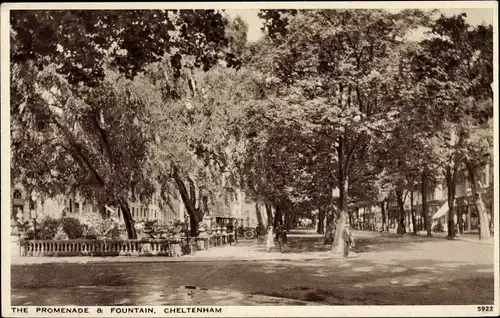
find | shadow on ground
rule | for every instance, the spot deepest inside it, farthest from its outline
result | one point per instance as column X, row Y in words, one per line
column 392, row 242
column 333, row 282
column 390, row 270
column 368, row 282
column 365, row 242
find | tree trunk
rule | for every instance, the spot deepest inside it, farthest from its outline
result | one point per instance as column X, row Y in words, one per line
column 288, row 219
column 193, row 227
column 364, row 218
column 484, row 224
column 195, row 217
column 127, row 218
column 189, row 200
column 357, row 216
column 269, row 213
column 450, row 184
column 259, row 216
column 412, row 212
column 401, row 217
column 425, row 209
column 278, row 218
column 338, row 246
column 384, row 221
column 387, row 211
column 102, row 211
column 321, row 221
column 460, row 221
column 408, row 222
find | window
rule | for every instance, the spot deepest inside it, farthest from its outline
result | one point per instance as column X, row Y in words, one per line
column 70, row 206
column 32, row 205
column 431, row 196
column 484, row 176
column 18, row 194
column 41, row 126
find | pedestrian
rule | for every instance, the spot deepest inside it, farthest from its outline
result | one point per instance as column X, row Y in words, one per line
column 270, row 238
column 281, row 236
column 329, row 233
column 348, row 239
column 285, row 238
column 257, row 232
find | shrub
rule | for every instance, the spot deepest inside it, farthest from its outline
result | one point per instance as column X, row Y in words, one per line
column 114, row 233
column 96, row 227
column 108, row 228
column 73, row 228
column 30, row 234
column 160, row 228
column 91, row 233
column 48, row 228
column 61, row 235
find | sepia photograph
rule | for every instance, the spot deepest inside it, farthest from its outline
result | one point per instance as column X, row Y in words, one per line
column 181, row 159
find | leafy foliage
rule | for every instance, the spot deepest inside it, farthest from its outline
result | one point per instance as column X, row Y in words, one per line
column 72, row 227
column 81, row 42
column 177, row 102
column 77, row 94
column 48, row 228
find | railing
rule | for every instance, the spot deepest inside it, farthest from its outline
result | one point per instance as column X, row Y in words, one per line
column 149, row 247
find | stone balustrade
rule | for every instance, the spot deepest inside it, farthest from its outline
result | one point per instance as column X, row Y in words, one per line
column 149, row 247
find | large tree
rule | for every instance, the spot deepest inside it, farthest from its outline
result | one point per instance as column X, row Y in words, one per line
column 75, row 102
column 339, row 74
column 454, row 72
column 78, row 41
column 196, row 124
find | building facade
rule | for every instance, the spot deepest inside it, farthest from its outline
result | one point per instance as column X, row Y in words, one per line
column 154, row 210
column 30, row 205
column 240, row 211
column 27, row 205
column 437, row 201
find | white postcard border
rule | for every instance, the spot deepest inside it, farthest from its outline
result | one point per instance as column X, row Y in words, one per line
column 229, row 311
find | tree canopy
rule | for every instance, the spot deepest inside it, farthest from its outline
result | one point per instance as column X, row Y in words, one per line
column 119, row 105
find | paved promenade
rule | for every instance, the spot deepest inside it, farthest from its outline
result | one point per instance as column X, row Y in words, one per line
column 303, row 245
column 387, row 270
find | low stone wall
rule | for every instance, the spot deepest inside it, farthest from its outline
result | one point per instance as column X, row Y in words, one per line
column 149, row 247
column 15, row 249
